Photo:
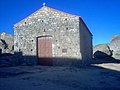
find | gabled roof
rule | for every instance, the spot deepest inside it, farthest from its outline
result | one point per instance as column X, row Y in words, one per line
column 51, row 10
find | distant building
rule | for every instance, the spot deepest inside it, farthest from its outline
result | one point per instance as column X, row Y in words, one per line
column 52, row 37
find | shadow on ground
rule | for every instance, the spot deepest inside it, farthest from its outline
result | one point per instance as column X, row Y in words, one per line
column 75, row 76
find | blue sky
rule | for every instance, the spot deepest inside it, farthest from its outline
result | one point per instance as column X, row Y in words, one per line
column 101, row 16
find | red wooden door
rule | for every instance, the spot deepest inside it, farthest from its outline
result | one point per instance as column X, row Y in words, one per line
column 44, row 50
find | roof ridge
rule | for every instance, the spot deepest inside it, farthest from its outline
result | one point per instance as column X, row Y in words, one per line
column 61, row 11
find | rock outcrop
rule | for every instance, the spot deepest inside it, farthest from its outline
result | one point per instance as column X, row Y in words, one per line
column 101, row 51
column 112, row 49
column 2, row 45
column 6, row 50
column 6, row 42
column 115, row 46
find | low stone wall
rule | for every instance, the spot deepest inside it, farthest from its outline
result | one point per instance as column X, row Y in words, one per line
column 72, row 62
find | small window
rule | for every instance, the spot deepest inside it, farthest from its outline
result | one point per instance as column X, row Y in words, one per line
column 64, row 50
column 19, row 50
column 58, row 47
column 31, row 49
column 66, row 19
column 67, row 28
column 25, row 22
column 44, row 30
column 42, row 21
column 32, row 40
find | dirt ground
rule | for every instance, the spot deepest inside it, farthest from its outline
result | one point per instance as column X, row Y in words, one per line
column 94, row 77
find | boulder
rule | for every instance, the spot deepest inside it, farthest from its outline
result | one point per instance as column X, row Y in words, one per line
column 2, row 46
column 101, row 51
column 9, row 39
column 6, row 42
column 115, row 46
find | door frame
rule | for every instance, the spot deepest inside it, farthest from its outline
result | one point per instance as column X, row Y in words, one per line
column 37, row 46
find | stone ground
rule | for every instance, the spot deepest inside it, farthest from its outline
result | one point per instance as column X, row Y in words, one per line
column 94, row 77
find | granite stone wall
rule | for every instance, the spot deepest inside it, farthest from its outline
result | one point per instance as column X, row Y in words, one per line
column 85, row 43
